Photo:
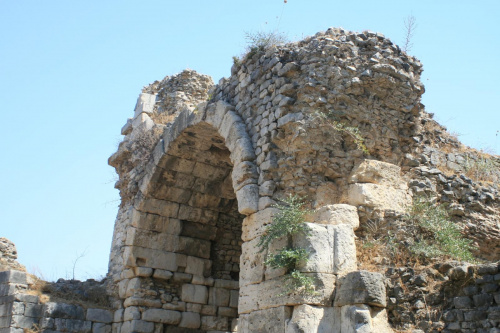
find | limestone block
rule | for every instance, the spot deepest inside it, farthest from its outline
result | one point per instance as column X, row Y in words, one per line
column 361, row 287
column 101, row 328
column 143, row 271
column 248, row 199
column 202, row 280
column 344, row 249
column 198, row 230
column 158, row 207
column 190, row 320
column 243, row 174
column 236, row 131
column 20, row 321
column 63, row 310
column 326, row 194
column 274, row 247
column 230, row 120
column 225, row 311
column 307, row 318
column 255, row 224
column 337, row 214
column 377, row 172
column 233, row 299
column 194, row 293
column 139, row 256
column 127, row 128
column 198, row 266
column 122, row 288
column 72, row 325
column 271, row 320
column 268, row 294
column 13, row 276
column 243, row 151
column 380, row 321
column 118, row 315
column 197, row 214
column 162, row 274
column 141, row 123
column 265, row 202
column 139, row 326
column 356, row 319
column 251, row 263
column 99, row 315
column 218, row 296
column 378, row 197
column 319, row 244
column 7, row 289
column 139, row 301
column 162, row 316
column 208, row 310
column 145, row 103
column 212, row 323
column 215, row 113
column 227, row 284
column 131, row 313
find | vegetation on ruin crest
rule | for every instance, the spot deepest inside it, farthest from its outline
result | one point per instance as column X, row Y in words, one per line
column 426, row 233
column 288, row 222
column 328, row 118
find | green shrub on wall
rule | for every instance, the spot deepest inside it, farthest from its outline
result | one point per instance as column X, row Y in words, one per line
column 288, row 222
column 440, row 237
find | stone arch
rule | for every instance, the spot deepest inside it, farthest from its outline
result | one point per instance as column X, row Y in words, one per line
column 183, row 247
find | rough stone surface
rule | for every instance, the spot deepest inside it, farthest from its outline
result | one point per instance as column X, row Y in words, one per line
column 361, row 287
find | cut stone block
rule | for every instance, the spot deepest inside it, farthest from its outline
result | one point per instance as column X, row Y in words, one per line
column 251, row 263
column 269, row 293
column 318, row 242
column 162, row 316
column 337, row 214
column 190, row 320
column 344, row 249
column 379, row 197
column 271, row 320
column 100, row 316
column 139, row 256
column 377, row 172
column 145, row 103
column 194, row 293
column 218, row 296
column 254, row 225
column 356, row 319
column 248, row 199
column 361, row 287
column 307, row 318
column 212, row 323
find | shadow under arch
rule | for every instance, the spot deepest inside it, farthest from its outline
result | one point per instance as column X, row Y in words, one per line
column 184, row 242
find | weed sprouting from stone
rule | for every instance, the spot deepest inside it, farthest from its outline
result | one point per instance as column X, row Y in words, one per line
column 442, row 236
column 329, row 119
column 287, row 222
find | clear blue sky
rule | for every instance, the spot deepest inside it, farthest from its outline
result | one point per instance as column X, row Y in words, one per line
column 70, row 73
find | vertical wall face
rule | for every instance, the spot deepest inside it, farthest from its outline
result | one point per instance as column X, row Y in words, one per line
column 184, row 245
column 258, row 139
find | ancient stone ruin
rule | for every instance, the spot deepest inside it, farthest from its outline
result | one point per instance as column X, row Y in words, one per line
column 335, row 120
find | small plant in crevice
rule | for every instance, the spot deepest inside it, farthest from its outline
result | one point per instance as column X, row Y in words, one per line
column 440, row 237
column 482, row 169
column 288, row 222
column 259, row 42
column 330, row 119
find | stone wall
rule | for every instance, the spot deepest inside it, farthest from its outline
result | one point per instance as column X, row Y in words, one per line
column 23, row 309
column 449, row 297
column 335, row 119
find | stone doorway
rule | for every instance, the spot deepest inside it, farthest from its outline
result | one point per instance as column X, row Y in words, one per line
column 186, row 239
